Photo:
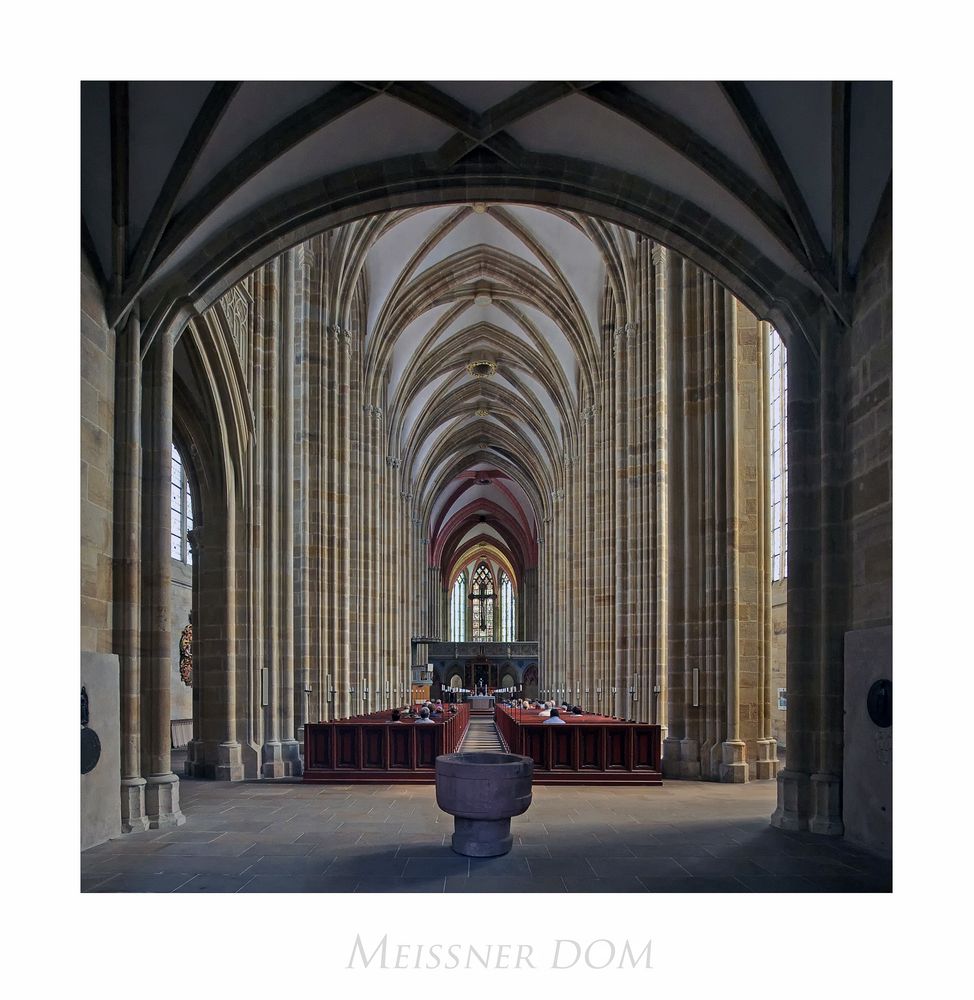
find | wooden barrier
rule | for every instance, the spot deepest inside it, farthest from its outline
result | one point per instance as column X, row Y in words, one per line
column 588, row 749
column 373, row 749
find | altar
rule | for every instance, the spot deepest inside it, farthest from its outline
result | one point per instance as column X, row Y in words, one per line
column 481, row 704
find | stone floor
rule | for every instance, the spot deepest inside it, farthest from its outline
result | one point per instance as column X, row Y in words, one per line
column 291, row 837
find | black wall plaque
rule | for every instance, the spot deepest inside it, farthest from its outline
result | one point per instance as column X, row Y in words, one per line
column 90, row 744
column 90, row 750
column 879, row 703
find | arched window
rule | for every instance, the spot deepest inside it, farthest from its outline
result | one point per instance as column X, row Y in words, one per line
column 483, row 594
column 778, row 374
column 181, row 511
column 507, row 608
column 458, row 609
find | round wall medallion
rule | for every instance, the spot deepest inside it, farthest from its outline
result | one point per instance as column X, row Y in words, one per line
column 483, row 412
column 482, row 369
column 879, row 703
column 90, row 749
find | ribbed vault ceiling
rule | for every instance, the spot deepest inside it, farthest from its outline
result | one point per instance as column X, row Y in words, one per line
column 770, row 186
column 483, row 325
column 479, row 205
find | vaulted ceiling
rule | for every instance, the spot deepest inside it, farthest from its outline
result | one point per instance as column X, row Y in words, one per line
column 500, row 204
column 483, row 324
column 772, row 187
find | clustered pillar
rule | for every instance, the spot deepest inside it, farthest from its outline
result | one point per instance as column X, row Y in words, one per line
column 653, row 569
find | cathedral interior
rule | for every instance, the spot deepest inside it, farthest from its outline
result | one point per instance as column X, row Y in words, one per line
column 578, row 391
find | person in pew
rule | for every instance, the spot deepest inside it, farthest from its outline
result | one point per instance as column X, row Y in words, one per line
column 576, row 710
column 554, row 719
column 424, row 716
column 545, row 712
column 396, row 716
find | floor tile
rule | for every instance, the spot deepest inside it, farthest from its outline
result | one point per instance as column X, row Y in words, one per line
column 215, row 883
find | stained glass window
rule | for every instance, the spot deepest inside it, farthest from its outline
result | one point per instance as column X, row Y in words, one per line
column 458, row 610
column 180, row 511
column 483, row 594
column 778, row 410
column 507, row 608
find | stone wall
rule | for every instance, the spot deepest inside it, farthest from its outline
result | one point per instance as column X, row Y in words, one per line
column 181, row 706
column 779, row 658
column 97, row 460
column 869, row 404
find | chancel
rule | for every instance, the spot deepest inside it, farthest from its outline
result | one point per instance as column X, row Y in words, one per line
column 412, row 411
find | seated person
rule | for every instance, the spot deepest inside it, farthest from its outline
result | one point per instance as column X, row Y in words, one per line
column 424, row 716
column 576, row 710
column 545, row 712
column 396, row 715
column 554, row 719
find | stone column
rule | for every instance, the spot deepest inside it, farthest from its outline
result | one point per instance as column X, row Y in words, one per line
column 290, row 748
column 126, row 616
column 162, row 786
column 834, row 547
column 804, row 628
column 272, row 756
column 733, row 764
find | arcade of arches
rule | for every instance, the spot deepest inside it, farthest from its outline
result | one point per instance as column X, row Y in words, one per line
column 487, row 412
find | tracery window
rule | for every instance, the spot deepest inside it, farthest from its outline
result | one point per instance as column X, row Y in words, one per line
column 181, row 511
column 483, row 596
column 458, row 610
column 507, row 608
column 778, row 374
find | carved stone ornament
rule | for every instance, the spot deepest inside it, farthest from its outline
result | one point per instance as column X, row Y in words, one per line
column 483, row 368
column 236, row 304
column 186, row 654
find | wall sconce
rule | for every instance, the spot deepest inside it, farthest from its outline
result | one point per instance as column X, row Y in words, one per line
column 351, row 689
column 632, row 691
column 657, row 689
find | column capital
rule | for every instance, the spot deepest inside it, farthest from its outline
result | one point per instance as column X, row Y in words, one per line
column 195, row 538
column 392, row 462
column 557, row 495
column 343, row 338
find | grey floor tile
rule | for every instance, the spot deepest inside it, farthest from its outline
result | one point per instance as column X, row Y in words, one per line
column 590, row 850
column 89, row 882
column 368, row 868
column 654, row 884
column 215, row 883
column 652, row 867
column 214, row 850
column 585, row 883
column 560, row 866
column 433, row 884
column 126, row 882
column 504, row 883
column 850, row 883
column 504, row 865
column 719, row 867
column 277, row 865
column 778, row 883
column 300, row 883
column 280, row 850
column 782, row 865
column 455, row 864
